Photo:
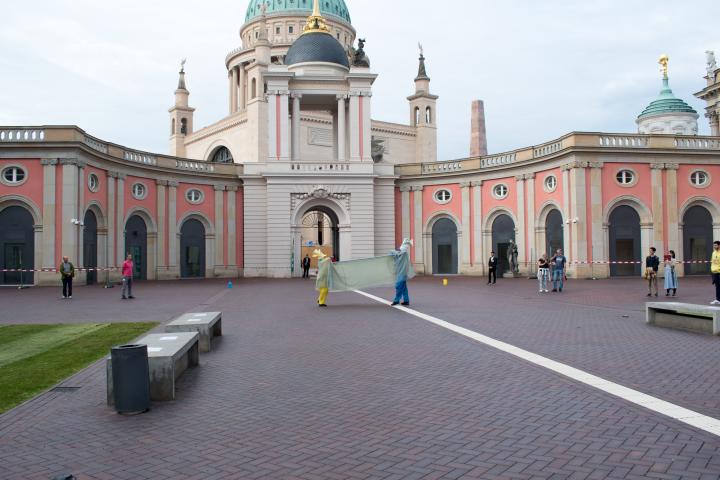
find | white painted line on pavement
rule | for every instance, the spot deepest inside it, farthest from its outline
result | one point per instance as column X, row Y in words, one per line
column 681, row 414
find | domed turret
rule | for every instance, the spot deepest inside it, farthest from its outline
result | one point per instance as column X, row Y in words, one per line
column 316, row 44
column 668, row 114
column 335, row 8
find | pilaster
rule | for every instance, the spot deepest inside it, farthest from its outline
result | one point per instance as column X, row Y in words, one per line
column 596, row 208
column 520, row 237
column 162, row 224
column 120, row 220
column 465, row 262
column 48, row 259
column 173, row 252
column 658, row 209
column 417, row 192
column 232, row 230
column 69, row 209
column 405, row 210
column 219, row 230
column 533, row 251
column 479, row 244
column 110, row 256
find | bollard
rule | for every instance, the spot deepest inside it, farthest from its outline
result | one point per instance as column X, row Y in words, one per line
column 445, row 282
column 230, row 284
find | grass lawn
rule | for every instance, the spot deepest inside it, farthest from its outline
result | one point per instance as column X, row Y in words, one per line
column 33, row 358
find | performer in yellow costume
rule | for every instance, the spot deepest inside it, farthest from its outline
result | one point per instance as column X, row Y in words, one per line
column 321, row 284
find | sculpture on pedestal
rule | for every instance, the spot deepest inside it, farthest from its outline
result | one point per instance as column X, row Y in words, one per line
column 512, row 257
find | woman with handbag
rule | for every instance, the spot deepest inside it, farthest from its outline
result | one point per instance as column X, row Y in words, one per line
column 671, row 281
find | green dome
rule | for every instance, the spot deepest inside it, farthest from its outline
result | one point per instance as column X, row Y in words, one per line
column 333, row 8
column 666, row 103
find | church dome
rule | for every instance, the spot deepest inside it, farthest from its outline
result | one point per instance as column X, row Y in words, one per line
column 333, row 8
column 666, row 103
column 317, row 47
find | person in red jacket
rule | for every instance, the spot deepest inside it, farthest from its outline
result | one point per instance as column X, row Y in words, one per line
column 127, row 275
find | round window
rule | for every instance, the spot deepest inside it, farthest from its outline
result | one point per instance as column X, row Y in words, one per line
column 699, row 178
column 625, row 177
column 13, row 175
column 551, row 183
column 194, row 196
column 443, row 196
column 500, row 191
column 93, row 182
column 139, row 191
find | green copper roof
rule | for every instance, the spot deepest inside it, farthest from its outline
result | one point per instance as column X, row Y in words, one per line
column 334, row 8
column 667, row 102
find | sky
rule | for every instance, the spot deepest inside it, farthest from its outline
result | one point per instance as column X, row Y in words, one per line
column 544, row 68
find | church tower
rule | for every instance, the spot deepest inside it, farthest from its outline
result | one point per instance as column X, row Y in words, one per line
column 181, row 117
column 423, row 115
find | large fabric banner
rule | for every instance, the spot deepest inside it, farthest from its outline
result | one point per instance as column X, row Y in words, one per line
column 382, row 271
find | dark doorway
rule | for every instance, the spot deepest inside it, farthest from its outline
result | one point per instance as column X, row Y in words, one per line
column 554, row 239
column 503, row 230
column 90, row 246
column 444, row 247
column 625, row 242
column 136, row 244
column 17, row 242
column 320, row 229
column 697, row 240
column 192, row 249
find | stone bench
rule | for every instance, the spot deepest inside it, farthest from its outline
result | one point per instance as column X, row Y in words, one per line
column 684, row 316
column 207, row 324
column 169, row 355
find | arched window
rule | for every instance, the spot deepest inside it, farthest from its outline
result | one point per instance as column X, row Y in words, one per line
column 417, row 115
column 172, row 128
column 428, row 115
column 221, row 155
column 253, row 88
column 183, row 126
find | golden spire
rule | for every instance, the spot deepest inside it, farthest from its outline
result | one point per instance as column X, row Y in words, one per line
column 316, row 22
column 664, row 60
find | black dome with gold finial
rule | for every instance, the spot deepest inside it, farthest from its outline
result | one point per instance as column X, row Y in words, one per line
column 317, row 44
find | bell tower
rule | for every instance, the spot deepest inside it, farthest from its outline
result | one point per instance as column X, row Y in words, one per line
column 423, row 115
column 181, row 117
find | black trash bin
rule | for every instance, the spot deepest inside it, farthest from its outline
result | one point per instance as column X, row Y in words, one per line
column 131, row 379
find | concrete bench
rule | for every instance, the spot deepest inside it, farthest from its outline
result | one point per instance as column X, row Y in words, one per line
column 207, row 324
column 684, row 316
column 169, row 355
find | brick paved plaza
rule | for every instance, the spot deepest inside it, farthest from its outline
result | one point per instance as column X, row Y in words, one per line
column 363, row 391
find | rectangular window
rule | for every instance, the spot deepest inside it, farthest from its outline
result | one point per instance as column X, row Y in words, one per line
column 291, row 29
column 277, row 30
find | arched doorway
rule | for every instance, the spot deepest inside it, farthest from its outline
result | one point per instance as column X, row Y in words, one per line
column 625, row 246
column 503, row 230
column 444, row 247
column 554, row 238
column 17, row 245
column 320, row 229
column 90, row 246
column 697, row 239
column 192, row 249
column 136, row 245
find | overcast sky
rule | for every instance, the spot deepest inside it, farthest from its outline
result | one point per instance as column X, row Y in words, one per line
column 543, row 68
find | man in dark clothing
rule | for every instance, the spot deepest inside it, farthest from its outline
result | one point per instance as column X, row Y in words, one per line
column 559, row 265
column 492, row 269
column 306, row 267
column 652, row 264
column 67, row 273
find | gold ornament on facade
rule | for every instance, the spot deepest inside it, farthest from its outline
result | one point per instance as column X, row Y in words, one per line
column 316, row 22
column 664, row 61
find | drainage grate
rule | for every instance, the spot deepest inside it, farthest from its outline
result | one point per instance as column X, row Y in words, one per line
column 65, row 389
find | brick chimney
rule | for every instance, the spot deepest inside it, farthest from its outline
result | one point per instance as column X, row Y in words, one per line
column 478, row 135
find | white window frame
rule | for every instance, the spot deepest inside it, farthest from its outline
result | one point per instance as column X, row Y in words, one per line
column 201, row 196
column 495, row 193
column 135, row 195
column 634, row 180
column 10, row 183
column 92, row 188
column 708, row 179
column 437, row 198
column 547, row 187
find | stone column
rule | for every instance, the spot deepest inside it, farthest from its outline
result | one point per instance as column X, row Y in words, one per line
column 234, row 91
column 242, row 87
column 110, row 256
column 162, row 225
column 533, row 252
column 48, row 240
column 465, row 228
column 566, row 210
column 219, row 229
column 70, row 208
column 278, row 126
column 578, row 222
column 658, row 209
column 478, row 243
column 80, row 251
column 418, row 230
column 598, row 236
column 232, row 230
column 405, row 211
column 173, row 253
column 355, row 125
column 341, row 133
column 520, row 227
column 296, row 132
column 673, row 213
column 230, row 93
column 120, row 228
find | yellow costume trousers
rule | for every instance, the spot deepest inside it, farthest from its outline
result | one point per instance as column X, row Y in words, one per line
column 323, row 296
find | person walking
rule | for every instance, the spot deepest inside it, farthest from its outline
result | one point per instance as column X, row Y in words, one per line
column 543, row 274
column 559, row 264
column 403, row 271
column 306, row 266
column 671, row 281
column 127, row 277
column 715, row 269
column 67, row 273
column 492, row 269
column 652, row 265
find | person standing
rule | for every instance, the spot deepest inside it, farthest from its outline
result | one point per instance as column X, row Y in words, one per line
column 671, row 281
column 652, row 265
column 558, row 263
column 128, row 268
column 543, row 274
column 306, row 266
column 67, row 273
column 715, row 269
column 492, row 269
column 402, row 273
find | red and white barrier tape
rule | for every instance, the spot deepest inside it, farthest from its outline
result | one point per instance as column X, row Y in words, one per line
column 55, row 270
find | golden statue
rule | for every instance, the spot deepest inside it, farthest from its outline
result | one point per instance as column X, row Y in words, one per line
column 316, row 22
column 664, row 60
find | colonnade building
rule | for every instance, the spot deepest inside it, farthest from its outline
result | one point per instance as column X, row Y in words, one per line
column 299, row 163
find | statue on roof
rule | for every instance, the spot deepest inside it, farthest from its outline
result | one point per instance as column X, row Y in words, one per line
column 711, row 63
column 359, row 58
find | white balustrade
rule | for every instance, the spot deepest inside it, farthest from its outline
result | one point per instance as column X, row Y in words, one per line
column 194, row 166
column 96, row 145
column 549, row 149
column 623, row 141
column 697, row 143
column 22, row 135
column 320, row 167
column 138, row 157
column 497, row 160
column 441, row 167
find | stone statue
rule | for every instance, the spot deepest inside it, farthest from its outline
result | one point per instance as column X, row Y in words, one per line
column 422, row 50
column 711, row 63
column 512, row 257
column 378, row 149
column 182, row 65
column 360, row 59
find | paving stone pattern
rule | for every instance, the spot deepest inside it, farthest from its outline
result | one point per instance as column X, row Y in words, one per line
column 363, row 391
